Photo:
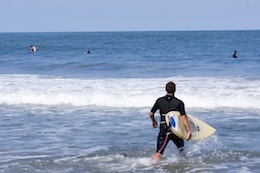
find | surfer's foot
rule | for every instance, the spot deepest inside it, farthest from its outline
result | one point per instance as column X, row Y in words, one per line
column 156, row 158
column 182, row 153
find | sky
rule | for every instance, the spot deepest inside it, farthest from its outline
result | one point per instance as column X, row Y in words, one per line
column 128, row 15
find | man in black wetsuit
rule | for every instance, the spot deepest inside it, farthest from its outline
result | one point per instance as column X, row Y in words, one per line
column 166, row 104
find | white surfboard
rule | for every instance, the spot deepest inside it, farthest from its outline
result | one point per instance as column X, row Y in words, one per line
column 199, row 129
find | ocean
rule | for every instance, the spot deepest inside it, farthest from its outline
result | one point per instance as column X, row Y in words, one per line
column 64, row 110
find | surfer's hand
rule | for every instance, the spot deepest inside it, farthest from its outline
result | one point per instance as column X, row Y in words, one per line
column 154, row 124
column 188, row 136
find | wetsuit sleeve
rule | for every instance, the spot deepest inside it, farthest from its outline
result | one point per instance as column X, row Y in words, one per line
column 155, row 107
column 182, row 108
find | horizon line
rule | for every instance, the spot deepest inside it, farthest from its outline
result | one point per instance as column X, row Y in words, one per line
column 199, row 30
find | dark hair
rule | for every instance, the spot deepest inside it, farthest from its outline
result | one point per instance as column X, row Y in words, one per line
column 170, row 87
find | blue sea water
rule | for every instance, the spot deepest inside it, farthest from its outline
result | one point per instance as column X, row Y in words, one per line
column 63, row 110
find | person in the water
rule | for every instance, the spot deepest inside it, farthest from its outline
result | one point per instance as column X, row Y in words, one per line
column 235, row 54
column 33, row 48
column 166, row 104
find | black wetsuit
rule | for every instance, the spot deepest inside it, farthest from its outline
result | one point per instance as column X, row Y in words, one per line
column 166, row 104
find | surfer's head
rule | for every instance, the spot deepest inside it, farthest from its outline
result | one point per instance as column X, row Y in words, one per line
column 170, row 87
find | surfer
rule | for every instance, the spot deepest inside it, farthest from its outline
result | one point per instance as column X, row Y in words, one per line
column 235, row 54
column 33, row 48
column 87, row 51
column 166, row 104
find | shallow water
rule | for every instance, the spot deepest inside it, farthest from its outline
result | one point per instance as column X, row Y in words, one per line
column 113, row 140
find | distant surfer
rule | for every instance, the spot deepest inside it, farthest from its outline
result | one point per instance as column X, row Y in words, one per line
column 33, row 48
column 235, row 54
column 166, row 104
column 87, row 51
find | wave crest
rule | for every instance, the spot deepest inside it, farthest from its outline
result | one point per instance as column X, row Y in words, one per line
column 128, row 92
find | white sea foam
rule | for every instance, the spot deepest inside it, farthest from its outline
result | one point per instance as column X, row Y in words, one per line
column 128, row 92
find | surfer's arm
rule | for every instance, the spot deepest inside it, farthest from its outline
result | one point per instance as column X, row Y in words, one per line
column 187, row 126
column 153, row 120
